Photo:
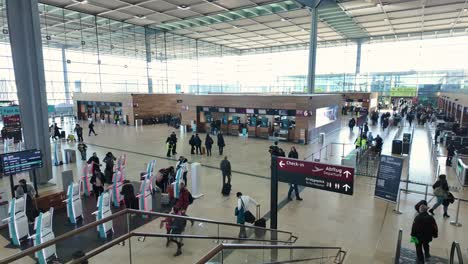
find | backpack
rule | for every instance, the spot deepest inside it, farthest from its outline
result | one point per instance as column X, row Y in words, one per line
column 178, row 225
column 190, row 198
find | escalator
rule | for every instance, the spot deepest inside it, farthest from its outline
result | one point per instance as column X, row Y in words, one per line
column 140, row 238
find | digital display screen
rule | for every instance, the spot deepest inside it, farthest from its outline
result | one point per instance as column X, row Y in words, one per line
column 17, row 162
column 326, row 115
column 262, row 111
column 250, row 111
column 283, row 112
column 206, row 109
column 232, row 110
column 222, row 110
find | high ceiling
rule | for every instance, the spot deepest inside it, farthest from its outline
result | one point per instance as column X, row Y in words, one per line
column 245, row 24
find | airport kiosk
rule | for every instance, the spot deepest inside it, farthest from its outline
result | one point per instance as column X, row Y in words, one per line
column 85, row 180
column 103, row 211
column 44, row 233
column 116, row 188
column 74, row 205
column 177, row 183
column 17, row 220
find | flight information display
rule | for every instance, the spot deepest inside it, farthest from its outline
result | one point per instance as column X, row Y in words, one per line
column 17, row 162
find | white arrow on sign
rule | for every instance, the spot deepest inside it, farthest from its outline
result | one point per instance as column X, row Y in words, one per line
column 346, row 187
column 347, row 174
column 281, row 164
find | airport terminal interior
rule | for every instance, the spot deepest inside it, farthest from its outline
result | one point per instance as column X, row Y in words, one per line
column 234, row 131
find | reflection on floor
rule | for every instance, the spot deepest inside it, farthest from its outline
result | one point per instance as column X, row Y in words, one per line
column 408, row 256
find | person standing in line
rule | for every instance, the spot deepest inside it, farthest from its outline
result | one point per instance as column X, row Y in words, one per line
column 91, row 129
column 79, row 132
column 441, row 191
column 208, row 144
column 293, row 155
column 97, row 180
column 174, row 141
column 94, row 160
column 221, row 143
column 192, row 144
column 128, row 192
column 424, row 229
column 198, row 144
column 242, row 210
column 31, row 208
column 225, row 168
column 109, row 170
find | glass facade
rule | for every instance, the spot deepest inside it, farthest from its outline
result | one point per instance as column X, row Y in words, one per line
column 85, row 53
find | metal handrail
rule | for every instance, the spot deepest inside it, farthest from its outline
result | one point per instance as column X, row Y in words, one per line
column 455, row 248
column 222, row 247
column 94, row 224
column 398, row 247
column 147, row 234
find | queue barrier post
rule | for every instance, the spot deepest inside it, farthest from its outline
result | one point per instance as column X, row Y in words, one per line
column 425, row 194
column 456, row 223
column 397, row 209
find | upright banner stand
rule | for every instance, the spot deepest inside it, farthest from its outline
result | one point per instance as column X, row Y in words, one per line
column 196, row 180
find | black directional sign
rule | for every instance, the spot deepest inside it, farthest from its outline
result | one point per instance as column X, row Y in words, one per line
column 328, row 177
column 388, row 178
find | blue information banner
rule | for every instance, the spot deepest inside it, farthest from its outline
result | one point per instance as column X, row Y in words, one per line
column 387, row 184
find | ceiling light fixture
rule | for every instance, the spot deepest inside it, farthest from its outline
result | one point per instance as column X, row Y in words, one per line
column 140, row 16
column 284, row 19
column 465, row 10
column 235, row 26
column 81, row 1
column 184, row 7
column 385, row 19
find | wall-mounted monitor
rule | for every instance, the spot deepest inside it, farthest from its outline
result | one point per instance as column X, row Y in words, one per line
column 326, row 115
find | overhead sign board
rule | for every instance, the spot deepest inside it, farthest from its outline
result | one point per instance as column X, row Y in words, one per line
column 388, row 178
column 17, row 162
column 328, row 177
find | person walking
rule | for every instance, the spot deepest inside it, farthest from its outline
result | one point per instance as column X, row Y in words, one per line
column 79, row 132
column 450, row 154
column 243, row 212
column 183, row 165
column 174, row 142
column 221, row 143
column 56, row 131
column 198, row 144
column 91, row 129
column 97, row 180
column 82, row 149
column 94, row 160
column 293, row 155
column 424, row 229
column 441, row 191
column 177, row 228
column 208, row 144
column 225, row 168
column 192, row 144
column 351, row 124
column 170, row 146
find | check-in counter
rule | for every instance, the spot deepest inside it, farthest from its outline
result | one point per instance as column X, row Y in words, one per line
column 263, row 132
column 225, row 129
column 462, row 170
column 252, row 130
column 233, row 130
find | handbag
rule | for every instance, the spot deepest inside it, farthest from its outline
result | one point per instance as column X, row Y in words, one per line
column 249, row 217
column 439, row 192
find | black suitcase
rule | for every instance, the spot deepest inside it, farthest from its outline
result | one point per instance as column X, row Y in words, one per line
column 226, row 189
column 261, row 222
column 62, row 134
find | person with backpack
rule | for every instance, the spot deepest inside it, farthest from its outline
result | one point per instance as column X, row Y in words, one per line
column 91, row 129
column 441, row 191
column 177, row 226
column 192, row 144
column 293, row 155
column 225, row 168
column 185, row 199
column 243, row 213
column 351, row 124
column 198, row 143
column 208, row 144
column 424, row 229
column 221, row 143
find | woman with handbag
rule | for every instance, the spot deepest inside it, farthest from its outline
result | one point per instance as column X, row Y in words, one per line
column 243, row 213
column 441, row 191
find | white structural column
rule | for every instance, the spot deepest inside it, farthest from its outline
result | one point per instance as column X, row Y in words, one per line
column 28, row 62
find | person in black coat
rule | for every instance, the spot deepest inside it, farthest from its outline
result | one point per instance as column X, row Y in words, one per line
column 91, row 129
column 293, row 155
column 450, row 154
column 221, row 143
column 424, row 229
column 173, row 138
column 441, row 191
column 109, row 170
column 351, row 124
column 95, row 161
column 128, row 193
column 208, row 144
column 56, row 131
column 198, row 144
column 97, row 180
column 192, row 144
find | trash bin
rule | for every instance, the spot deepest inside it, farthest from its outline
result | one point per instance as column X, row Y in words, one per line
column 321, row 138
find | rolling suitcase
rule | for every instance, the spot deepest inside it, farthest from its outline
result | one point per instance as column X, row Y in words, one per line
column 226, row 189
column 62, row 134
column 260, row 222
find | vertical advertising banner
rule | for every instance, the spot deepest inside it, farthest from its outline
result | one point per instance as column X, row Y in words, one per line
column 326, row 115
column 387, row 184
